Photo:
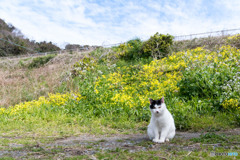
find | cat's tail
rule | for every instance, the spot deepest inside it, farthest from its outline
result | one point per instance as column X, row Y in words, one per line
column 150, row 133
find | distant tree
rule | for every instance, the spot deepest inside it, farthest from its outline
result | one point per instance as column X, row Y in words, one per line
column 72, row 46
column 19, row 48
column 13, row 42
column 46, row 47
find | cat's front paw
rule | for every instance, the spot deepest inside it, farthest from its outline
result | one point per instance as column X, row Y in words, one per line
column 158, row 140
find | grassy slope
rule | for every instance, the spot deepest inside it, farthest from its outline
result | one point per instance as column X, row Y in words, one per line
column 110, row 96
column 21, row 82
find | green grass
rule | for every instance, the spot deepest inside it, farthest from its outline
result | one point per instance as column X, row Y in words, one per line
column 105, row 95
column 40, row 61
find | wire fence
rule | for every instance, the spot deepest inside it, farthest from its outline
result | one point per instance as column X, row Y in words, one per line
column 227, row 32
column 33, row 53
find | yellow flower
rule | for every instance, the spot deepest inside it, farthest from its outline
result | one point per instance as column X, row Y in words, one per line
column 231, row 104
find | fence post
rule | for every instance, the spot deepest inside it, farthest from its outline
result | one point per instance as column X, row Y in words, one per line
column 222, row 32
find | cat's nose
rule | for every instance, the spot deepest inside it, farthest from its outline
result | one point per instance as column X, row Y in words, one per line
column 157, row 112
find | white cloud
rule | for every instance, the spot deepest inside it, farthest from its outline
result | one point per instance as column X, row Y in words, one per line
column 230, row 5
column 97, row 22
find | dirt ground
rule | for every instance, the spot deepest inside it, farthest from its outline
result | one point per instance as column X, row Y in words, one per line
column 89, row 145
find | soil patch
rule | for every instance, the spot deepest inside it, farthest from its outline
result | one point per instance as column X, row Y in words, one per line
column 90, row 144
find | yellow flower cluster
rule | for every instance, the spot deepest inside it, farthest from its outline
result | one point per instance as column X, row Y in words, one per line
column 134, row 89
column 231, row 104
column 129, row 88
column 53, row 99
column 60, row 99
column 234, row 37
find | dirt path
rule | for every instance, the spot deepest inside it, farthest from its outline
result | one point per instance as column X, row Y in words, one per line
column 90, row 145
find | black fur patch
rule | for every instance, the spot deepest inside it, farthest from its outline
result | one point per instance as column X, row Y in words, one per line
column 153, row 102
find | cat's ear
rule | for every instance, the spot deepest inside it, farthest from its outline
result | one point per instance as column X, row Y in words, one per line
column 162, row 100
column 151, row 100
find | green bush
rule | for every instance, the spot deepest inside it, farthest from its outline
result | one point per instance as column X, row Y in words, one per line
column 131, row 50
column 215, row 83
column 158, row 46
column 40, row 61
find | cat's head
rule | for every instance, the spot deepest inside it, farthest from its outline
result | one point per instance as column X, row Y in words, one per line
column 157, row 106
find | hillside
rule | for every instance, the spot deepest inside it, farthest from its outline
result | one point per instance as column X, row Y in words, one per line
column 13, row 42
column 195, row 80
column 28, row 78
column 106, row 92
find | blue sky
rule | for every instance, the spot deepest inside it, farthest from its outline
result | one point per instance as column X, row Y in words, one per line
column 102, row 22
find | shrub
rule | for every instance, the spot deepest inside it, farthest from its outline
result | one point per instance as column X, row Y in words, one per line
column 210, row 82
column 40, row 61
column 131, row 50
column 84, row 65
column 158, row 46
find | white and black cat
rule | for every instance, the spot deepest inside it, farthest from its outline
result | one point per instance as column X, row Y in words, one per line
column 161, row 127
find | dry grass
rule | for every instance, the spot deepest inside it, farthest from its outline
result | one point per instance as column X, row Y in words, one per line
column 210, row 43
column 19, row 84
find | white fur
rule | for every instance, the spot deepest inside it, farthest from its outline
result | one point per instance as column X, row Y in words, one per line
column 161, row 127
